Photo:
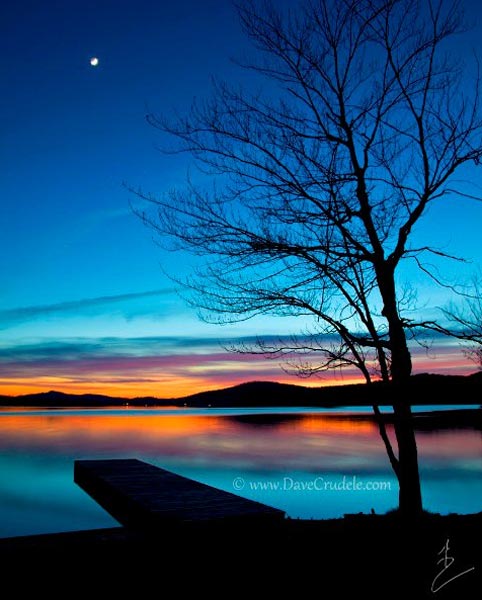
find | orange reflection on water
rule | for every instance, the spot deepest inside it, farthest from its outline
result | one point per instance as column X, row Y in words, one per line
column 315, row 440
column 339, row 425
column 87, row 423
column 42, row 426
column 268, row 439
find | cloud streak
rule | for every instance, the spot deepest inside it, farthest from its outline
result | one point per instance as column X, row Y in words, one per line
column 89, row 306
column 167, row 366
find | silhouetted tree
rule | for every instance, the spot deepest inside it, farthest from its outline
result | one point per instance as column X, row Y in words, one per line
column 467, row 320
column 321, row 177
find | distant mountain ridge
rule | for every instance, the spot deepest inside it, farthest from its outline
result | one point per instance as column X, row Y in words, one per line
column 422, row 389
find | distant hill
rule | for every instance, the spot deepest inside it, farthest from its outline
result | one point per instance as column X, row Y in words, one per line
column 421, row 389
column 61, row 400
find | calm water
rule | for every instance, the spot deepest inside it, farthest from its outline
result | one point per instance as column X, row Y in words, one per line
column 301, row 461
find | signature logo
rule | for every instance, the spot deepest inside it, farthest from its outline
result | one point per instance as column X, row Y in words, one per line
column 447, row 574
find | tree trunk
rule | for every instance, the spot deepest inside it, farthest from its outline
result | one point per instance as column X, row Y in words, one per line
column 401, row 367
column 410, row 495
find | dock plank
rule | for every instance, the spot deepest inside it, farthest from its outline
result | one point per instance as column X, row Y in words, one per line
column 142, row 496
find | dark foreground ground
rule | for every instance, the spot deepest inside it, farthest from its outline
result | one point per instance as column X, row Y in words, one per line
column 356, row 557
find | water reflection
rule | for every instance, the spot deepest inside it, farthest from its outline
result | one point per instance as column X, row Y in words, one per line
column 37, row 449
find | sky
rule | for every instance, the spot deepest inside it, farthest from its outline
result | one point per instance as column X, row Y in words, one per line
column 85, row 305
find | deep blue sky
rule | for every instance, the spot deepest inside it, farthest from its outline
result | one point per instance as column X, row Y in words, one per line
column 80, row 276
column 71, row 134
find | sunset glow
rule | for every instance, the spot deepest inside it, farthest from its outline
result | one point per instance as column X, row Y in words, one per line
column 86, row 304
column 178, row 376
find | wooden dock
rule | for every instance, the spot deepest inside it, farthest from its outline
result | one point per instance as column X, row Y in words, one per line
column 142, row 496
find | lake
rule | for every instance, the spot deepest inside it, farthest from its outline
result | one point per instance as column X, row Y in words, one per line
column 312, row 463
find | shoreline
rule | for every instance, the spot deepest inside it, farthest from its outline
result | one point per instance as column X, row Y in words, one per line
column 445, row 389
column 359, row 551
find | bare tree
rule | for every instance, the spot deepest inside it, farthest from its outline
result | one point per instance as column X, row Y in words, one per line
column 320, row 179
column 467, row 320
